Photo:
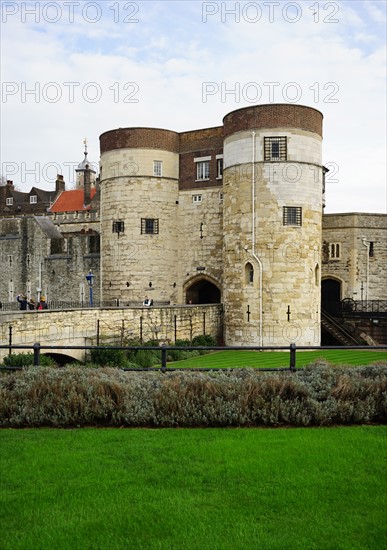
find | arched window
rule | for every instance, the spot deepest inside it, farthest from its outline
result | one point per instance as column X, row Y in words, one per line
column 249, row 273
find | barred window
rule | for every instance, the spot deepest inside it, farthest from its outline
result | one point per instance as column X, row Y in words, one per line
column 149, row 226
column 292, row 215
column 275, row 148
column 118, row 226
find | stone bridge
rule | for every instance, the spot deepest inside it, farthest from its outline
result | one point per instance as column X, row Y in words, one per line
column 86, row 327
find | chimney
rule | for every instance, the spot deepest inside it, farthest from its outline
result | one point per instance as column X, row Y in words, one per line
column 59, row 184
column 10, row 183
column 86, row 187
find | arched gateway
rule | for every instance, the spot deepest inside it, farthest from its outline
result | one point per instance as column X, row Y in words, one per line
column 202, row 291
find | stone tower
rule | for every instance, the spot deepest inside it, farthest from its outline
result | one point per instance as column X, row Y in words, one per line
column 272, row 222
column 139, row 197
column 83, row 169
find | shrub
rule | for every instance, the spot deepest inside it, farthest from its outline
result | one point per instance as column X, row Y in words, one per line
column 182, row 343
column 27, row 360
column 108, row 357
column 204, row 340
column 75, row 396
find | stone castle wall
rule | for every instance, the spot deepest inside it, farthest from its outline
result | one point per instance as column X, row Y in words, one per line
column 227, row 230
column 281, row 302
column 31, row 259
column 200, row 238
column 135, row 263
column 119, row 325
column 349, row 267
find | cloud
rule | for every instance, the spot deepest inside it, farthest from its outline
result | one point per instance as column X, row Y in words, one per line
column 152, row 73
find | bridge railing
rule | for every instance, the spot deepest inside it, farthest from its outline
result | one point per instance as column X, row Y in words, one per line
column 292, row 348
column 74, row 304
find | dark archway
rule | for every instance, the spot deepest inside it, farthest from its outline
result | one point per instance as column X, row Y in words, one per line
column 203, row 292
column 330, row 295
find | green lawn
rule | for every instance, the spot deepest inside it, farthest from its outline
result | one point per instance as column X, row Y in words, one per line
column 212, row 489
column 271, row 359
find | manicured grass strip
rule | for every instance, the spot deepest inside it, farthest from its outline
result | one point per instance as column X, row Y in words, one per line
column 209, row 489
column 274, row 359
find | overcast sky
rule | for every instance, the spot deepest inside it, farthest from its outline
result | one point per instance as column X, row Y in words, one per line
column 75, row 69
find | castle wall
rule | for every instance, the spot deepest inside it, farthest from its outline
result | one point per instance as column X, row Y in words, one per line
column 200, row 237
column 166, row 231
column 280, row 302
column 31, row 259
column 140, row 259
column 79, row 327
column 353, row 260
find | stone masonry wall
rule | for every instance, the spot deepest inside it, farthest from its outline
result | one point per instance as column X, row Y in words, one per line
column 135, row 264
column 200, row 237
column 79, row 327
column 350, row 268
column 288, row 255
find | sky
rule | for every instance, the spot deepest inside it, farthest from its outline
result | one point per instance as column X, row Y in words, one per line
column 72, row 70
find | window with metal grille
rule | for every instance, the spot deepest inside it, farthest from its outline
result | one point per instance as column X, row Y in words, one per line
column 275, row 148
column 292, row 215
column 149, row 226
column 118, row 226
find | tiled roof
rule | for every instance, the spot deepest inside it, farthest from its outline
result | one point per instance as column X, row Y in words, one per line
column 71, row 201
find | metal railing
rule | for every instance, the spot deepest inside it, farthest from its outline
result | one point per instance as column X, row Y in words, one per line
column 292, row 348
column 348, row 306
column 74, row 304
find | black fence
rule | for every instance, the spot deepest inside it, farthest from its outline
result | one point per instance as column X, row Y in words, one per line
column 351, row 307
column 292, row 348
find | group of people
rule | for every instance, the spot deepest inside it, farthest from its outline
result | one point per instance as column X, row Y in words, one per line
column 25, row 304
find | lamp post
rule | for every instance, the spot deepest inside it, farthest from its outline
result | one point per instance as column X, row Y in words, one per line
column 89, row 277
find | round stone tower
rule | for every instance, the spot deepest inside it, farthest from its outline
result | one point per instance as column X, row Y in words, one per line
column 139, row 197
column 272, row 222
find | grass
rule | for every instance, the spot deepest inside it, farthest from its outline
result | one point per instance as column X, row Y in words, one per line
column 271, row 359
column 213, row 489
